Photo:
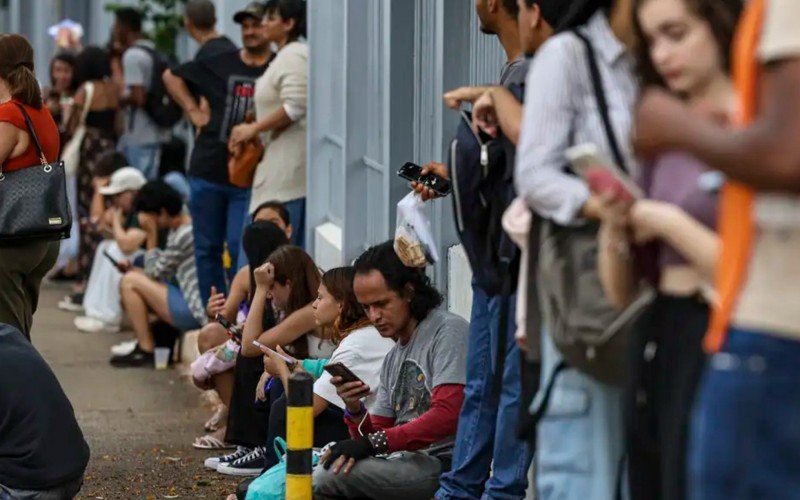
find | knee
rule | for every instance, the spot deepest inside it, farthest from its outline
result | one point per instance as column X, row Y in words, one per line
column 129, row 282
column 325, row 482
column 209, row 337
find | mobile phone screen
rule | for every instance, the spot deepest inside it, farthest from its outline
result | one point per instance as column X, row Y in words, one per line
column 413, row 172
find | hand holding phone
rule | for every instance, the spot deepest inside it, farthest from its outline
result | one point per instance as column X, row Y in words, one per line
column 233, row 331
column 602, row 176
column 122, row 266
column 343, row 372
column 436, row 183
column 267, row 350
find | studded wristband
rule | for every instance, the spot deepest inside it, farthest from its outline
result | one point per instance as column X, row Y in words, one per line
column 379, row 442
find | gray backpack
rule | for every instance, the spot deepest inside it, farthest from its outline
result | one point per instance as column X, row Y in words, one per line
column 589, row 332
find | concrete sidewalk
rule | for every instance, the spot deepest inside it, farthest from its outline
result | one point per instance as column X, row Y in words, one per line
column 139, row 423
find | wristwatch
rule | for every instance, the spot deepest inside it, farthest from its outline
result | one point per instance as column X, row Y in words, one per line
column 352, row 416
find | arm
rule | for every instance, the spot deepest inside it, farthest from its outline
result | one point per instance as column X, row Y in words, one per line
column 134, row 62
column 436, row 424
column 499, row 108
column 177, row 88
column 74, row 119
column 240, row 288
column 454, row 98
column 615, row 265
column 129, row 240
column 549, row 114
column 765, row 155
column 287, row 331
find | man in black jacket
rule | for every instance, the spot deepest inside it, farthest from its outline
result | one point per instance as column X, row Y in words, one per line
column 42, row 451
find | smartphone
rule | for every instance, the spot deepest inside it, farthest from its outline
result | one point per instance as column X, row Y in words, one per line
column 600, row 174
column 116, row 263
column 233, row 330
column 284, row 357
column 413, row 172
column 339, row 370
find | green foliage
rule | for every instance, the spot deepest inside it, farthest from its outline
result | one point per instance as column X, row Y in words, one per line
column 163, row 17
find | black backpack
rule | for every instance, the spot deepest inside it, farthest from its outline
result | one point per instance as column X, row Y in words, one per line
column 159, row 105
column 482, row 173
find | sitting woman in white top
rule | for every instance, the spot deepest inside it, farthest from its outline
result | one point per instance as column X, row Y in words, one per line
column 359, row 348
column 281, row 99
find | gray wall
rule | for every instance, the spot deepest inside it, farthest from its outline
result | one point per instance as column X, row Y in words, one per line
column 378, row 71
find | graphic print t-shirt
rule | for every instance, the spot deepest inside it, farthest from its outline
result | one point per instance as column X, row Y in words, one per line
column 435, row 356
column 228, row 84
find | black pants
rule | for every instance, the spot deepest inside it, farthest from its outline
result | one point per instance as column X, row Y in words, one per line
column 247, row 420
column 667, row 360
column 328, row 426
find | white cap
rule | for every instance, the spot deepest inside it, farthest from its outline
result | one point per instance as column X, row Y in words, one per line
column 124, row 179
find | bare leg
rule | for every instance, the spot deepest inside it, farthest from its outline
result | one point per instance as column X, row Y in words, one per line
column 211, row 335
column 223, row 382
column 140, row 295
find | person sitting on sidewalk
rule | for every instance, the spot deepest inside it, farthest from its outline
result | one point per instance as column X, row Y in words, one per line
column 102, row 300
column 161, row 207
column 418, row 398
column 42, row 450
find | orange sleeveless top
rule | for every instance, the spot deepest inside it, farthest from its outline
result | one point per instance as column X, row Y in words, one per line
column 46, row 130
column 736, row 226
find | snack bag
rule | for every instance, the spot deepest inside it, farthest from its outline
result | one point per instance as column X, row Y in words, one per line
column 413, row 238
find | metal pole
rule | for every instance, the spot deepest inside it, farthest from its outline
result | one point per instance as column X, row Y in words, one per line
column 299, row 436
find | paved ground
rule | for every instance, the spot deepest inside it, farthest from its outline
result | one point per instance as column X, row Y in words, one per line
column 139, row 423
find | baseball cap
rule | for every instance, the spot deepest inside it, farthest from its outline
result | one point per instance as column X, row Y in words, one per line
column 124, row 179
column 253, row 9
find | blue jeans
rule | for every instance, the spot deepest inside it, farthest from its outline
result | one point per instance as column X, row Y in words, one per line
column 297, row 214
column 486, row 431
column 745, row 435
column 218, row 216
column 145, row 157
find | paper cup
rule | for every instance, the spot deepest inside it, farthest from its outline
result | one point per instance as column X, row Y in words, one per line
column 162, row 358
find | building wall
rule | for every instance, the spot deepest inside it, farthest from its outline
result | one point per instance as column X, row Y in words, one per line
column 378, row 72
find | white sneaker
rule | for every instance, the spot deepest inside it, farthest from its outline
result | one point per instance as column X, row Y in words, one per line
column 88, row 324
column 123, row 348
column 72, row 303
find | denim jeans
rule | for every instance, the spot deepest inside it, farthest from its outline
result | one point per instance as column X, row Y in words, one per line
column 145, row 157
column 297, row 214
column 745, row 437
column 218, row 215
column 486, row 430
column 581, row 439
column 69, row 490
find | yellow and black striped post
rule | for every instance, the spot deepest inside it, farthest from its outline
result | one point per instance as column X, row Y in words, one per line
column 299, row 436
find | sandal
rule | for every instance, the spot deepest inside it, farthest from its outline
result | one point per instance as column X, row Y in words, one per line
column 219, row 417
column 210, row 442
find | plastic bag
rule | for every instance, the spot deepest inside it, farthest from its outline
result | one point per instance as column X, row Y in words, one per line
column 214, row 361
column 413, row 238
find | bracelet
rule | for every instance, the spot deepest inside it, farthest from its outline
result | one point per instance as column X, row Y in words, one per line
column 379, row 442
column 352, row 416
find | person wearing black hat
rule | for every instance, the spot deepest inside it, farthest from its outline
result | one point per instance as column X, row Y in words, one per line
column 216, row 91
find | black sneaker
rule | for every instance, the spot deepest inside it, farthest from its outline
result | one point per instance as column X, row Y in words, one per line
column 136, row 358
column 214, row 462
column 249, row 465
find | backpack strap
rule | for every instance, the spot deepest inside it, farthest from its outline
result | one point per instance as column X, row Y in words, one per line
column 602, row 102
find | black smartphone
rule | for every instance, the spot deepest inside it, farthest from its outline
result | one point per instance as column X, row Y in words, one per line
column 233, row 330
column 114, row 261
column 339, row 370
column 413, row 172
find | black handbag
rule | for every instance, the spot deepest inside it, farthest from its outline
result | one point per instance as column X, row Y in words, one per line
column 33, row 200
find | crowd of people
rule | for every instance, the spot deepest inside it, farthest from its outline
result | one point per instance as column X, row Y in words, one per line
column 625, row 195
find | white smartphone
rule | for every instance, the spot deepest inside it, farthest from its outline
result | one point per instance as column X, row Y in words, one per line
column 288, row 359
column 586, row 159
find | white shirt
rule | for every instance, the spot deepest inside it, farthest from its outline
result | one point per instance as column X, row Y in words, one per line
column 362, row 352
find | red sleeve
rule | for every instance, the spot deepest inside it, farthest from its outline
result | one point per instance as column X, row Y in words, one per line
column 436, row 424
column 373, row 423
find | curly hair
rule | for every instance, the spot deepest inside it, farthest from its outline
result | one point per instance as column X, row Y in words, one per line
column 721, row 16
column 339, row 283
column 401, row 279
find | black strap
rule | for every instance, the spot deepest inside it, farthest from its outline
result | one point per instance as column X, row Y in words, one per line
column 32, row 133
column 602, row 103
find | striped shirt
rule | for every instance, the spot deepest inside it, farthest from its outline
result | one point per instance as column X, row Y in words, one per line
column 561, row 111
column 176, row 262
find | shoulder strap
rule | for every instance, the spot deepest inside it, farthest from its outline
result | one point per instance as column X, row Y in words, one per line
column 33, row 135
column 602, row 103
column 89, row 86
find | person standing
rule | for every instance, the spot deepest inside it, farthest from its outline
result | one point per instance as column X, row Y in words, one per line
column 216, row 91
column 23, row 265
column 281, row 99
column 143, row 138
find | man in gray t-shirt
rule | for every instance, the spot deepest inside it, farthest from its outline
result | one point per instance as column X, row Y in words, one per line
column 142, row 141
column 420, row 392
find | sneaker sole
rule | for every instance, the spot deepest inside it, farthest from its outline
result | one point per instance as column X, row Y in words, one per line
column 71, row 308
column 212, row 463
column 231, row 471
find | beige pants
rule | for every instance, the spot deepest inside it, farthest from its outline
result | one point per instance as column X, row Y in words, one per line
column 22, row 268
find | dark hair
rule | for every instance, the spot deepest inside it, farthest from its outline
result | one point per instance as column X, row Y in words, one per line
column 511, row 7
column 722, row 17
column 130, row 18
column 202, row 14
column 17, row 69
column 339, row 283
column 66, row 58
column 156, row 196
column 290, row 9
column 93, row 63
column 399, row 278
column 279, row 207
column 108, row 163
column 564, row 15
column 293, row 264
column 260, row 240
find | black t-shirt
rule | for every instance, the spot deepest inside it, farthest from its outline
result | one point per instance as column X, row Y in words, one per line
column 41, row 445
column 228, row 84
